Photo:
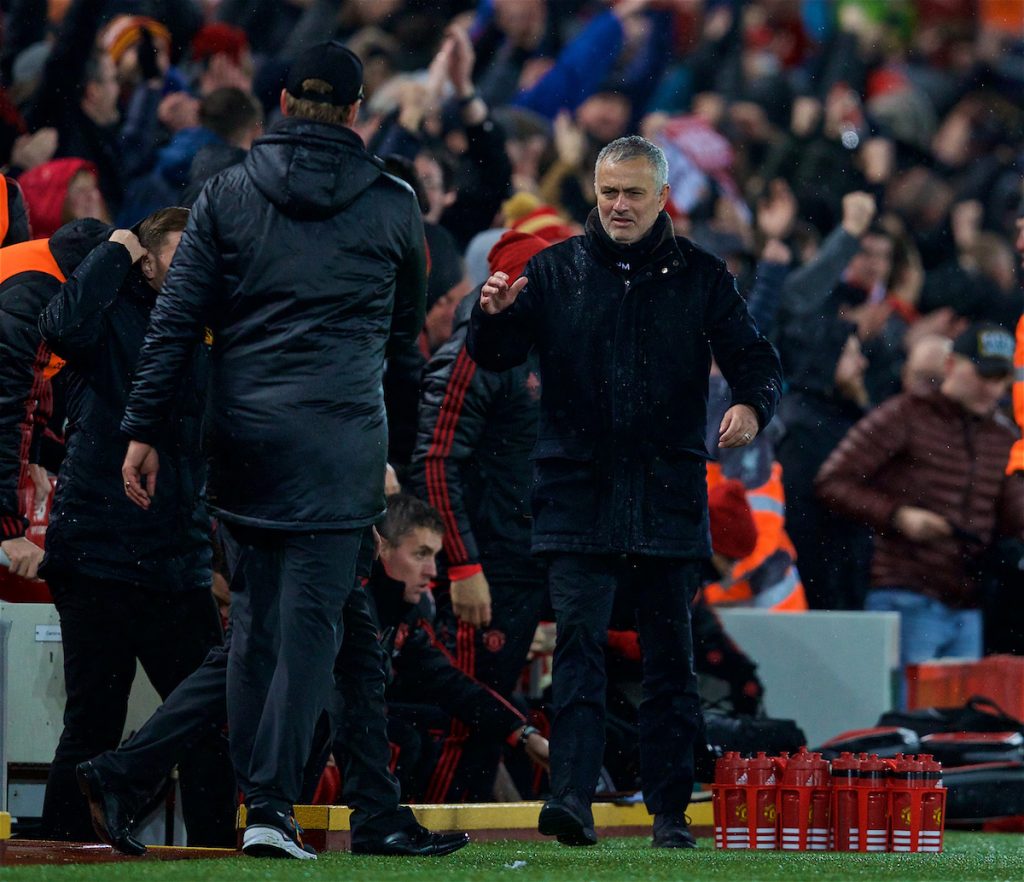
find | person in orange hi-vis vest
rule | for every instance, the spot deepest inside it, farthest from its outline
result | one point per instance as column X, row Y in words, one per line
column 30, row 274
column 1016, row 462
column 767, row 577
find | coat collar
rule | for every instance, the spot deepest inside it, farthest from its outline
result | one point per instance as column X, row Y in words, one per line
column 659, row 245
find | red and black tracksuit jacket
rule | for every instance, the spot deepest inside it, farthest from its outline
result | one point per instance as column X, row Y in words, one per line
column 471, row 462
column 424, row 672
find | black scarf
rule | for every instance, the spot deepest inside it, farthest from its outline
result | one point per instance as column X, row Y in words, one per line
column 627, row 259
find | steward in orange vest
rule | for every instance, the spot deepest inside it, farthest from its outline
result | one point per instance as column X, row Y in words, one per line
column 1016, row 463
column 31, row 273
column 767, row 577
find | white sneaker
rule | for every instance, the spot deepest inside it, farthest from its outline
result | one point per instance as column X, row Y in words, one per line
column 271, row 833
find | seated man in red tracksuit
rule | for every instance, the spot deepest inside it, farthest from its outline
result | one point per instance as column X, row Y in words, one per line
column 426, row 685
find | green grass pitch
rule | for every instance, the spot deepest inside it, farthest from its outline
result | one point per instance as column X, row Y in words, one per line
column 968, row 856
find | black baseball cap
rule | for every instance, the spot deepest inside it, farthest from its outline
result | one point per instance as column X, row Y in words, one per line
column 335, row 65
column 989, row 346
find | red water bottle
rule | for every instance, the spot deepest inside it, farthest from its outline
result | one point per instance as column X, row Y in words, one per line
column 795, row 802
column 933, row 805
column 762, row 793
column 729, row 802
column 845, row 820
column 904, row 783
column 820, row 820
column 873, row 804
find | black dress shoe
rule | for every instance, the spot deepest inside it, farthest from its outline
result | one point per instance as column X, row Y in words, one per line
column 111, row 817
column 672, row 831
column 413, row 843
column 561, row 817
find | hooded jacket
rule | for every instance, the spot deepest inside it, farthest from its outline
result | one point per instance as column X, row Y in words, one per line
column 306, row 261
column 30, row 274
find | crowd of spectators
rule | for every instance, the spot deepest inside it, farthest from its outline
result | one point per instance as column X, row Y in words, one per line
column 858, row 165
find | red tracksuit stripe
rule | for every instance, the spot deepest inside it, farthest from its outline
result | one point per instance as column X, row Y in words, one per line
column 441, row 445
column 451, row 753
column 437, row 488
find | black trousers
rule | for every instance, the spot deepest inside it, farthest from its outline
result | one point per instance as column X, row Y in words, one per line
column 356, row 724
column 583, row 590
column 105, row 627
column 359, row 717
column 288, row 594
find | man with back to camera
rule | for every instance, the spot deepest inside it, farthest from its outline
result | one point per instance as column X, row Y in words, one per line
column 625, row 320
column 297, row 432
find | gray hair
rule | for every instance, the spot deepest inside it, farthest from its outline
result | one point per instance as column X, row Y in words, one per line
column 635, row 147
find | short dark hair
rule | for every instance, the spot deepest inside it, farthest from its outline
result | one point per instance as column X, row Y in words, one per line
column 228, row 112
column 160, row 224
column 405, row 514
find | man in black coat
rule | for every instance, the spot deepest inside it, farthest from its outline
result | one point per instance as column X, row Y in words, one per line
column 127, row 585
column 625, row 321
column 307, row 262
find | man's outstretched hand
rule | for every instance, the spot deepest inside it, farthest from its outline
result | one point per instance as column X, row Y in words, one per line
column 139, row 471
column 497, row 295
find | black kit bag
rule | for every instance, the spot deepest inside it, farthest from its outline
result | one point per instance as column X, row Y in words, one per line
column 979, row 714
column 745, row 735
column 883, row 741
column 969, row 748
column 984, row 791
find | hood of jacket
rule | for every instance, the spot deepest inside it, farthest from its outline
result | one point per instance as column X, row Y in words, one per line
column 311, row 170
column 71, row 244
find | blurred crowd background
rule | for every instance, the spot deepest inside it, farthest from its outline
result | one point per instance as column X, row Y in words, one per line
column 857, row 163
